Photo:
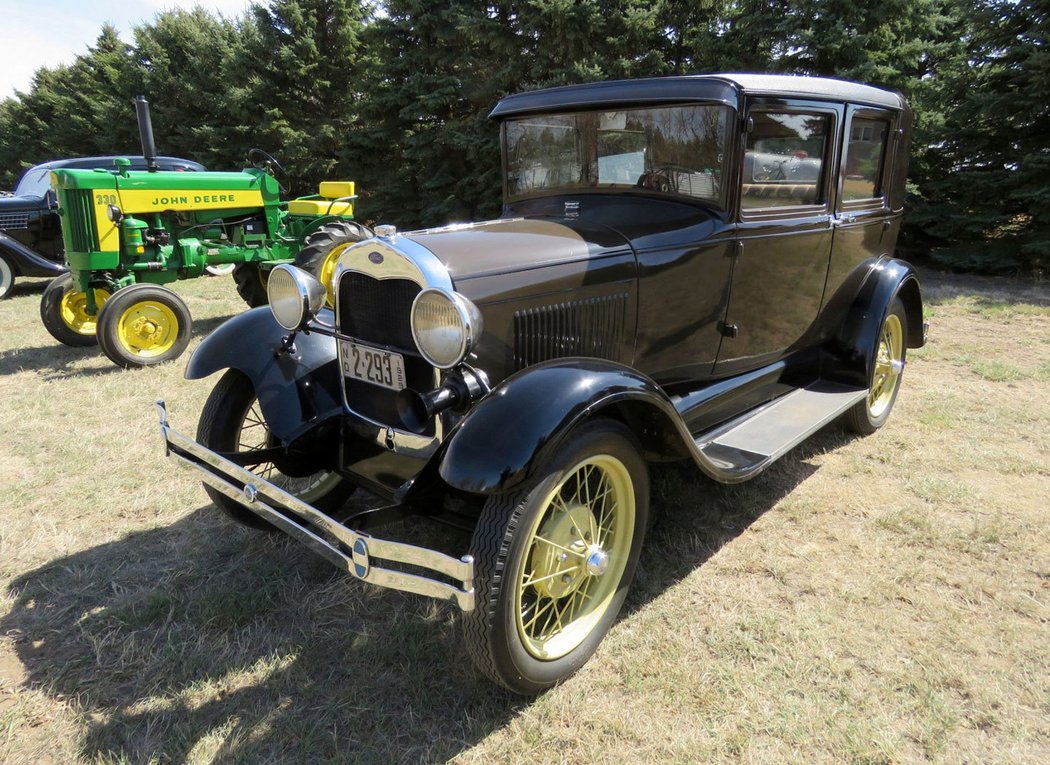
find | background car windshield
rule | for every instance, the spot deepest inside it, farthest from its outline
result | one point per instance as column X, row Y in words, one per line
column 675, row 150
column 34, row 183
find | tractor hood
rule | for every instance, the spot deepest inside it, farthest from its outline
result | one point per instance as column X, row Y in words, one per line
column 472, row 250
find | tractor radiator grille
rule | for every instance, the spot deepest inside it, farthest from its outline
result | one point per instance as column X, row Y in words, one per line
column 377, row 312
column 592, row 327
column 14, row 221
column 78, row 221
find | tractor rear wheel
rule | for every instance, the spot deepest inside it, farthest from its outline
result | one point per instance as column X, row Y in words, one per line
column 322, row 249
column 63, row 309
column 251, row 283
column 143, row 325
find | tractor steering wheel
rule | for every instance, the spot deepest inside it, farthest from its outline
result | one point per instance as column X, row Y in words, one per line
column 263, row 161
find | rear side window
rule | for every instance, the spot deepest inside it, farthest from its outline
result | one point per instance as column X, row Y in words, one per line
column 864, row 159
column 784, row 159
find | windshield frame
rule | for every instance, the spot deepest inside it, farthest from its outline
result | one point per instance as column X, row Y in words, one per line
column 592, row 160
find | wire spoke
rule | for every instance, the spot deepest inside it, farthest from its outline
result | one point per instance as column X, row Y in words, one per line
column 527, row 583
column 558, row 546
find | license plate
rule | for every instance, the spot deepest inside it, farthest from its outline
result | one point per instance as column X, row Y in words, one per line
column 372, row 365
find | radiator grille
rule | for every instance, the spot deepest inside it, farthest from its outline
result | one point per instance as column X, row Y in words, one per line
column 592, row 327
column 378, row 312
column 78, row 221
column 14, row 221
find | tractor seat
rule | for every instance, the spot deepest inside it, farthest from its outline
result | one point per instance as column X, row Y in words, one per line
column 335, row 198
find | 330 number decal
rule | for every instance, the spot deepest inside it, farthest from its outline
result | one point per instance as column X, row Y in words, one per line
column 105, row 199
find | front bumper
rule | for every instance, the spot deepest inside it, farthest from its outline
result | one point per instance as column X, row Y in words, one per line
column 346, row 548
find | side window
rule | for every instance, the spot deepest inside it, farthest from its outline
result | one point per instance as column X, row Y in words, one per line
column 784, row 160
column 865, row 154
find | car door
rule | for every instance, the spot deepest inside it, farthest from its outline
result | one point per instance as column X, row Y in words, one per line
column 864, row 223
column 784, row 231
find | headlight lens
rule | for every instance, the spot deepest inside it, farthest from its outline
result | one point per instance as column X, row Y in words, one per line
column 295, row 296
column 445, row 326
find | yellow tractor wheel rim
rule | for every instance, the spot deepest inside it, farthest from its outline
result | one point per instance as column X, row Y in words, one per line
column 575, row 556
column 73, row 310
column 889, row 362
column 327, row 273
column 148, row 328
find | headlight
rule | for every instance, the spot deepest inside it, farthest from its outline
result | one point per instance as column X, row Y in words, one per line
column 295, row 296
column 445, row 326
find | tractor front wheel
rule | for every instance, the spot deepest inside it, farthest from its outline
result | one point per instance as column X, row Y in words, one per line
column 63, row 309
column 322, row 249
column 143, row 325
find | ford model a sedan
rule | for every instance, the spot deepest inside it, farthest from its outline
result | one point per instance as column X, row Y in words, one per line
column 694, row 267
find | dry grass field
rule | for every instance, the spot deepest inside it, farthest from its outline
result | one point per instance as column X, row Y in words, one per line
column 878, row 600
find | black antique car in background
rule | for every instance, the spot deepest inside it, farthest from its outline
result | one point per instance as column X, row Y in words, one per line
column 30, row 232
column 695, row 267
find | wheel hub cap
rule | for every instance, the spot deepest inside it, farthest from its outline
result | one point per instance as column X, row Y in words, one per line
column 597, row 561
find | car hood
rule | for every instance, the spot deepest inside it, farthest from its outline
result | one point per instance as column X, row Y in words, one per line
column 505, row 245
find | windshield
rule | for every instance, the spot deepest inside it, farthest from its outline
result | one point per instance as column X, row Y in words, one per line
column 34, row 183
column 677, row 150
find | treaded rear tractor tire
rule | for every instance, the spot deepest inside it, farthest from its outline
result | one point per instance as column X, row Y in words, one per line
column 250, row 281
column 321, row 250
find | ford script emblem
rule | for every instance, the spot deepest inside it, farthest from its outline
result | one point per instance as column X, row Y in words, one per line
column 375, row 257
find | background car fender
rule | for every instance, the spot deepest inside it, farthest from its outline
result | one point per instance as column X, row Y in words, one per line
column 25, row 261
column 296, row 390
column 496, row 446
column 855, row 339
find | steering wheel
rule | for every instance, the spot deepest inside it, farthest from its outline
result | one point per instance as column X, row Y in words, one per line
column 263, row 161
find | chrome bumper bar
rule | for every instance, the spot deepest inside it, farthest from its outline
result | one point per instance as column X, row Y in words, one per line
column 349, row 550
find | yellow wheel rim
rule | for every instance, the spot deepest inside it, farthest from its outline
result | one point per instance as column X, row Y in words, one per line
column 889, row 363
column 327, row 274
column 73, row 310
column 148, row 328
column 576, row 554
column 254, row 434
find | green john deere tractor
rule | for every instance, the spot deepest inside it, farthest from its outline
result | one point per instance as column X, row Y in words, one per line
column 128, row 233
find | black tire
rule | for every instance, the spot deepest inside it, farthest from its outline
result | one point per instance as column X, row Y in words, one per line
column 320, row 244
column 230, row 407
column 513, row 542
column 143, row 325
column 250, row 280
column 7, row 276
column 63, row 315
column 867, row 416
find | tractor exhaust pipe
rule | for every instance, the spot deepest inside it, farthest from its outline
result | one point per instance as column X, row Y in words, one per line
column 149, row 148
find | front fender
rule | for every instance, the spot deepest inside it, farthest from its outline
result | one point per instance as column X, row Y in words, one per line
column 28, row 262
column 498, row 444
column 296, row 390
column 856, row 338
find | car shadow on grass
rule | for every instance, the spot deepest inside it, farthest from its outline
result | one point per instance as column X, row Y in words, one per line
column 206, row 641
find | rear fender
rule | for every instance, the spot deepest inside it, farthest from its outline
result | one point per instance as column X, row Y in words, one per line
column 296, row 390
column 510, row 432
column 854, row 342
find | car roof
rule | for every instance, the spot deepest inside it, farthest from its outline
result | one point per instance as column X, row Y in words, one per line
column 137, row 161
column 719, row 88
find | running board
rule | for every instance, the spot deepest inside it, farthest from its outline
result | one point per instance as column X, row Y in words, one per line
column 750, row 443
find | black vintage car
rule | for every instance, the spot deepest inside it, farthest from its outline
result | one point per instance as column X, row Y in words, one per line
column 30, row 233
column 684, row 269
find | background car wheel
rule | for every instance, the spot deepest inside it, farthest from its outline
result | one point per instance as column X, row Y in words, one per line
column 553, row 561
column 250, row 280
column 869, row 415
column 63, row 309
column 323, row 248
column 232, row 422
column 143, row 325
column 7, row 277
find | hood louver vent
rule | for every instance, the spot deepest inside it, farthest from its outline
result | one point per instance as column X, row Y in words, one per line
column 592, row 327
